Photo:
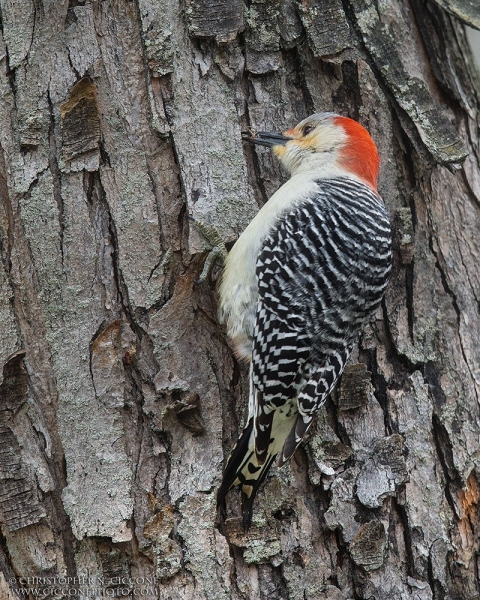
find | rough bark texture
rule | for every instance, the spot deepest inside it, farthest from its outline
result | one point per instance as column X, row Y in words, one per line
column 120, row 397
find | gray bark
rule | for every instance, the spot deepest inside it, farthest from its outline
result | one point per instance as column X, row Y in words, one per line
column 120, row 397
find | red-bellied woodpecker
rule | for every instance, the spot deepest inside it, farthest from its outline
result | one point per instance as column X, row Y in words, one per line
column 298, row 285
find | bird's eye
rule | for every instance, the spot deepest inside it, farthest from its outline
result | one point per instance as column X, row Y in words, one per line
column 308, row 129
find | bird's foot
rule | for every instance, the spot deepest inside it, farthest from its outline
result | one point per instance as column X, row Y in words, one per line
column 218, row 252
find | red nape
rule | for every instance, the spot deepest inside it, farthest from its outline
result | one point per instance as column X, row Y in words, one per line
column 360, row 155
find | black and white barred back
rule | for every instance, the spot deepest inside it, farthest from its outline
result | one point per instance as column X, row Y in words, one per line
column 321, row 273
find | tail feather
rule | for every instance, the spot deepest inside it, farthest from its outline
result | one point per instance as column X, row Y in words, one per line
column 294, row 439
column 236, row 462
column 246, row 469
column 318, row 387
column 276, row 427
column 247, row 500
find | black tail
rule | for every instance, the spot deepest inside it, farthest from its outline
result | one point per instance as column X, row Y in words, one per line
column 247, row 500
column 294, row 439
column 243, row 469
column 234, row 463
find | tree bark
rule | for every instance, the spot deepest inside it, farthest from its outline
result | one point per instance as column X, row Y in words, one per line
column 120, row 396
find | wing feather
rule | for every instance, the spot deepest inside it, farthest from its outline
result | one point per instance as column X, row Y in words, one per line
column 317, row 282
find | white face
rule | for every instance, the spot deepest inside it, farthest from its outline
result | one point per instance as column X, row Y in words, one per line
column 315, row 146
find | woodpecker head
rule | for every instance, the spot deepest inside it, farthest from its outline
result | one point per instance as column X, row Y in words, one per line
column 325, row 143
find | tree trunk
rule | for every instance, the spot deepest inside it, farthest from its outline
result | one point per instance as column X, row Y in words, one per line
column 120, row 396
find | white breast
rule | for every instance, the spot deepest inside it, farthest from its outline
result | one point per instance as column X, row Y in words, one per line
column 238, row 289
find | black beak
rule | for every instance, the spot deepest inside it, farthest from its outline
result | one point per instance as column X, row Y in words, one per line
column 265, row 138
